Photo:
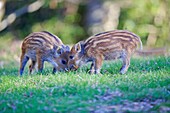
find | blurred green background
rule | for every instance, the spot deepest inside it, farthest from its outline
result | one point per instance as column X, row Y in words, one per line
column 74, row 20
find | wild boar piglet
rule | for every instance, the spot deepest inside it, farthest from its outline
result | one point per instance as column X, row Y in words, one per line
column 109, row 45
column 43, row 46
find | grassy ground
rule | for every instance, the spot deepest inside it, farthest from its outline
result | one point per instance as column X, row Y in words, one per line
column 145, row 88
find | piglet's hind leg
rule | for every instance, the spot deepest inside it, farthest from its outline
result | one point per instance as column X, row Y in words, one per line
column 126, row 63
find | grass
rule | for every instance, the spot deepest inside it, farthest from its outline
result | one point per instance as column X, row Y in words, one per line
column 144, row 88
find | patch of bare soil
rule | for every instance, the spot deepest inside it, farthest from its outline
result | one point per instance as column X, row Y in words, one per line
column 144, row 105
column 129, row 106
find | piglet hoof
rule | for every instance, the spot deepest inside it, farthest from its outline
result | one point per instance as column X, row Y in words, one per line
column 122, row 72
column 91, row 72
column 98, row 72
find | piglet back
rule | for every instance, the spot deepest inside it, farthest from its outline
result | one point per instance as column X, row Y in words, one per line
column 114, row 37
column 41, row 39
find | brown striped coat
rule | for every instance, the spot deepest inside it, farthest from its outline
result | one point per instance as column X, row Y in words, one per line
column 43, row 46
column 104, row 46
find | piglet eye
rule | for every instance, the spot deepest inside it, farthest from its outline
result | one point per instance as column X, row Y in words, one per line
column 63, row 61
column 59, row 53
column 71, row 57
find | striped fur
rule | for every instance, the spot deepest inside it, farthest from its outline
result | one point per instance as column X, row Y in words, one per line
column 40, row 47
column 108, row 45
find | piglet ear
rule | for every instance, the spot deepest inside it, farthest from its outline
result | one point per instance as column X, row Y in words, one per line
column 67, row 48
column 60, row 51
column 78, row 47
column 54, row 50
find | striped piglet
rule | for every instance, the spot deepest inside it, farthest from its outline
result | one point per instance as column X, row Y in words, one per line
column 104, row 46
column 43, row 46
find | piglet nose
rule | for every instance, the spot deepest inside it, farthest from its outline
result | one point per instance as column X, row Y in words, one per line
column 71, row 67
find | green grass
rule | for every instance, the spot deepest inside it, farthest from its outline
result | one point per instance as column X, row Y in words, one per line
column 144, row 88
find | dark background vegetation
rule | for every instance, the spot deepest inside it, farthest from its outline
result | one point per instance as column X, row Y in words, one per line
column 74, row 20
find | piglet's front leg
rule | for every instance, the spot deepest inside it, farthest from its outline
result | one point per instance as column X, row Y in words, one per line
column 92, row 68
column 32, row 66
column 40, row 61
column 98, row 63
